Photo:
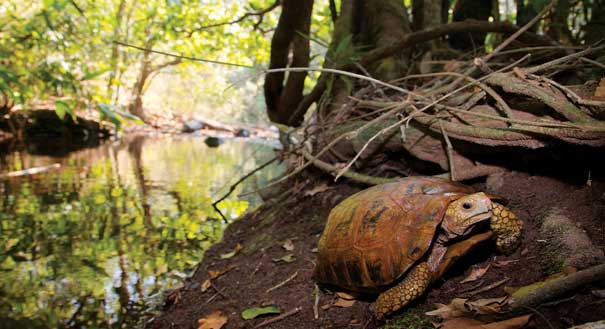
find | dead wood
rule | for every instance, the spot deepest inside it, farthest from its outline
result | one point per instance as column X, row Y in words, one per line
column 537, row 294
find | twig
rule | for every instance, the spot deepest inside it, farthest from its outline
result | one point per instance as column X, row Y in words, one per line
column 30, row 171
column 595, row 63
column 278, row 318
column 259, row 13
column 449, row 152
column 562, row 60
column 279, row 285
column 316, row 304
column 522, row 30
column 232, row 188
column 341, row 72
column 218, row 291
column 488, row 287
column 361, row 178
column 190, row 58
column 540, row 315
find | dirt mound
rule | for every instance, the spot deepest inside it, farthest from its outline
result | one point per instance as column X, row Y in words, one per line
column 275, row 262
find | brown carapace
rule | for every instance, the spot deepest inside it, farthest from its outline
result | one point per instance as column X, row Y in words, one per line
column 396, row 238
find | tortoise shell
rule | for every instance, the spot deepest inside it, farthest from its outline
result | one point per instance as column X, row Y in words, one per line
column 373, row 237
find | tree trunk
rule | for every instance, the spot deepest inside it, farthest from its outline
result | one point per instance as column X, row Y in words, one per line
column 558, row 29
column 290, row 38
column 470, row 9
column 525, row 13
column 115, row 52
column 595, row 29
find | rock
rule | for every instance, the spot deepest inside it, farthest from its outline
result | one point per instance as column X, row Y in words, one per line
column 192, row 125
column 213, row 141
column 565, row 245
column 242, row 133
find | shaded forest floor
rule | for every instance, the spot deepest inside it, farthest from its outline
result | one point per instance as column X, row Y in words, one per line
column 242, row 281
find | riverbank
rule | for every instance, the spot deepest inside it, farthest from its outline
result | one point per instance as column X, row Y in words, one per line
column 267, row 258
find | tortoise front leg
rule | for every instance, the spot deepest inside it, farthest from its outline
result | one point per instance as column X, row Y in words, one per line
column 408, row 289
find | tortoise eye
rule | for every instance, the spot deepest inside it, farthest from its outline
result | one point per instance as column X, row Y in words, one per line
column 467, row 205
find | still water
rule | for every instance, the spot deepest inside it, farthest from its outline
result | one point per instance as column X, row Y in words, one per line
column 94, row 242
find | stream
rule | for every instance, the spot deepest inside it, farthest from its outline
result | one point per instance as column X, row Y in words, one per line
column 96, row 240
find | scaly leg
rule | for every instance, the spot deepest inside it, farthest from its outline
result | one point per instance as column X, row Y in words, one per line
column 407, row 290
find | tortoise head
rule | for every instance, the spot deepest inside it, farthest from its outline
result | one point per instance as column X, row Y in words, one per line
column 464, row 213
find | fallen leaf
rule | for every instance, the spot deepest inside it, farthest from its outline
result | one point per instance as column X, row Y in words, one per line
column 236, row 250
column 466, row 323
column 459, row 323
column 454, row 309
column 314, row 250
column 326, row 306
column 216, row 320
column 289, row 258
column 215, row 274
column 459, row 307
column 340, row 302
column 253, row 312
column 487, row 305
column 206, row 285
column 288, row 245
column 476, row 274
column 319, row 188
column 344, row 295
column 514, row 323
column 503, row 263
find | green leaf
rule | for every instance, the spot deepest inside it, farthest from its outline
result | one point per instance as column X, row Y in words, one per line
column 61, row 108
column 93, row 75
column 289, row 258
column 252, row 313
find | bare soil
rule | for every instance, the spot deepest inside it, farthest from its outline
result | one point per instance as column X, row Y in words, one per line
column 300, row 217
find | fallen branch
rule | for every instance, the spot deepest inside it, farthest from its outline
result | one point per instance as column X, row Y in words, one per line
column 232, row 188
column 30, row 171
column 536, row 294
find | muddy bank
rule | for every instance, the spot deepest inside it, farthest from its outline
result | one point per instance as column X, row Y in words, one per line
column 256, row 276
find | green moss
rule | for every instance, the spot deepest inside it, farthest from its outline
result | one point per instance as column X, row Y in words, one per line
column 412, row 318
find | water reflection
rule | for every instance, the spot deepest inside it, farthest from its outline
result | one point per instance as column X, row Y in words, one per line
column 82, row 246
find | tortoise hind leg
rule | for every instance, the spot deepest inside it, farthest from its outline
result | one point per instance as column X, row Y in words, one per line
column 407, row 290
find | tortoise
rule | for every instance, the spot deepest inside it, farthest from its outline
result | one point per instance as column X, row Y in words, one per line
column 396, row 238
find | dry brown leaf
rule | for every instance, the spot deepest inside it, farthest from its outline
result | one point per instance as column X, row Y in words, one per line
column 503, row 263
column 514, row 323
column 476, row 274
column 238, row 247
column 206, row 285
column 459, row 323
column 326, row 306
column 288, row 245
column 215, row 274
column 340, row 302
column 455, row 309
column 459, row 307
column 319, row 188
column 344, row 295
column 466, row 323
column 487, row 305
column 216, row 320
